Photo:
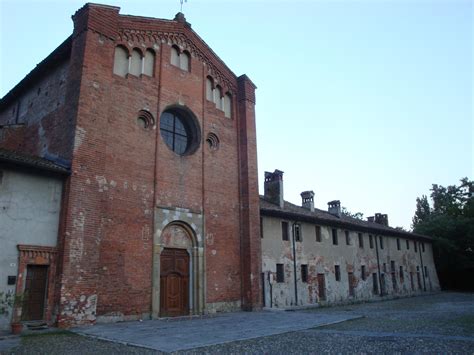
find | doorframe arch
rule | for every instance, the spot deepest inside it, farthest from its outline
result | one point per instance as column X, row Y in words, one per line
column 196, row 265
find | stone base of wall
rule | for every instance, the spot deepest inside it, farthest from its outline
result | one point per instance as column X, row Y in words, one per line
column 120, row 317
column 233, row 306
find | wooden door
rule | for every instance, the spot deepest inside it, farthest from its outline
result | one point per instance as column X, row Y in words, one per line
column 174, row 283
column 321, row 287
column 35, row 292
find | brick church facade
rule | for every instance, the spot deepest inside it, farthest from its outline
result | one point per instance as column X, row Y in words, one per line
column 128, row 190
column 150, row 139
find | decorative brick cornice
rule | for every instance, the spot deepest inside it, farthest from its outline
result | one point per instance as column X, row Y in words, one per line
column 183, row 42
column 33, row 251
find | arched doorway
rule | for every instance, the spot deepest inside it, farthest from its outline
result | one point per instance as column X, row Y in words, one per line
column 177, row 272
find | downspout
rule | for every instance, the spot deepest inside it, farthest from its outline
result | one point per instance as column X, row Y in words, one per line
column 422, row 268
column 378, row 265
column 294, row 263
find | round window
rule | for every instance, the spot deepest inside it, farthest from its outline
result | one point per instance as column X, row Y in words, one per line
column 179, row 131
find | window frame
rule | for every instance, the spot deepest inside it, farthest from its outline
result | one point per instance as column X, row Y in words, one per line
column 285, row 235
column 280, row 273
column 297, row 232
column 318, row 233
column 337, row 272
column 335, row 237
column 304, row 273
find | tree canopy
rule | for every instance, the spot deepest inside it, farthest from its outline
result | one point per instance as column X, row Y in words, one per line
column 357, row 215
column 449, row 219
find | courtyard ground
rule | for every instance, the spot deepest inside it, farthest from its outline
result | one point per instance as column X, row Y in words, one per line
column 438, row 323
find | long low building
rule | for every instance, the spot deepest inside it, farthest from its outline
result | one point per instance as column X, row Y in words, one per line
column 311, row 256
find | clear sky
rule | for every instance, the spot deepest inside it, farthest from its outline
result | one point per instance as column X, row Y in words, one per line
column 368, row 102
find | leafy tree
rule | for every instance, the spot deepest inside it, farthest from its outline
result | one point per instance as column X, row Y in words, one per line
column 450, row 221
column 357, row 215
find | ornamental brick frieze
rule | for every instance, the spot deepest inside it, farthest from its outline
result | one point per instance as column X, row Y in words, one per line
column 184, row 43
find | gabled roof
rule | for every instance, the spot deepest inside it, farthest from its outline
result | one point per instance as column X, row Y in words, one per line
column 29, row 161
column 298, row 213
column 36, row 74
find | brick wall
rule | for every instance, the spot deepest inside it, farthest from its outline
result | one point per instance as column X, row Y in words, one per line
column 120, row 171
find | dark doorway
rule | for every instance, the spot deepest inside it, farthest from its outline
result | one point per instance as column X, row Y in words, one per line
column 35, row 292
column 174, row 283
column 321, row 287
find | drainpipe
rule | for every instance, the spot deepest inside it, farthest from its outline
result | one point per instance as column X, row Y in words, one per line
column 294, row 262
column 422, row 268
column 378, row 265
column 271, row 290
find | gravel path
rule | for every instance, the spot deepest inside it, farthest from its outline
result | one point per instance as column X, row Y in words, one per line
column 440, row 323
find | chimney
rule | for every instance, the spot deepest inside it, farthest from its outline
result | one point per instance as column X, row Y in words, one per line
column 381, row 219
column 371, row 219
column 308, row 200
column 274, row 187
column 334, row 208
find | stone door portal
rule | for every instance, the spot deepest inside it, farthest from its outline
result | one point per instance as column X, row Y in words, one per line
column 174, row 282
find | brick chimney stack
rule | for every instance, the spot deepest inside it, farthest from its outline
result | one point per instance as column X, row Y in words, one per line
column 381, row 219
column 308, row 200
column 334, row 208
column 274, row 187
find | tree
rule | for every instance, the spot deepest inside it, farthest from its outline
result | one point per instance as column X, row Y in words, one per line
column 450, row 221
column 357, row 215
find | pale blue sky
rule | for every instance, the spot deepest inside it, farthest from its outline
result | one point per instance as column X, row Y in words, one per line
column 369, row 102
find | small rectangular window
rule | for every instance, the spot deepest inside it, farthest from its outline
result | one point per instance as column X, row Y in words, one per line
column 348, row 238
column 362, row 272
column 423, row 247
column 361, row 240
column 280, row 273
column 304, row 273
column 337, row 272
column 398, row 244
column 401, row 273
column 416, row 246
column 297, row 231
column 408, row 244
column 321, row 287
column 381, row 242
column 284, row 230
column 334, row 237
column 375, row 284
column 351, row 280
column 426, row 271
column 318, row 233
column 392, row 266
column 371, row 241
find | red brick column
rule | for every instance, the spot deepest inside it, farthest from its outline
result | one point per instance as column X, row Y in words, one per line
column 250, row 211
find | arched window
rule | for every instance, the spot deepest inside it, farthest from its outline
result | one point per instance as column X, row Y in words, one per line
column 228, row 105
column 136, row 63
column 121, row 61
column 184, row 60
column 149, row 62
column 209, row 89
column 175, row 56
column 218, row 98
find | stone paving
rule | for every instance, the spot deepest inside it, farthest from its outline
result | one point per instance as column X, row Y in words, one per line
column 438, row 323
column 172, row 336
